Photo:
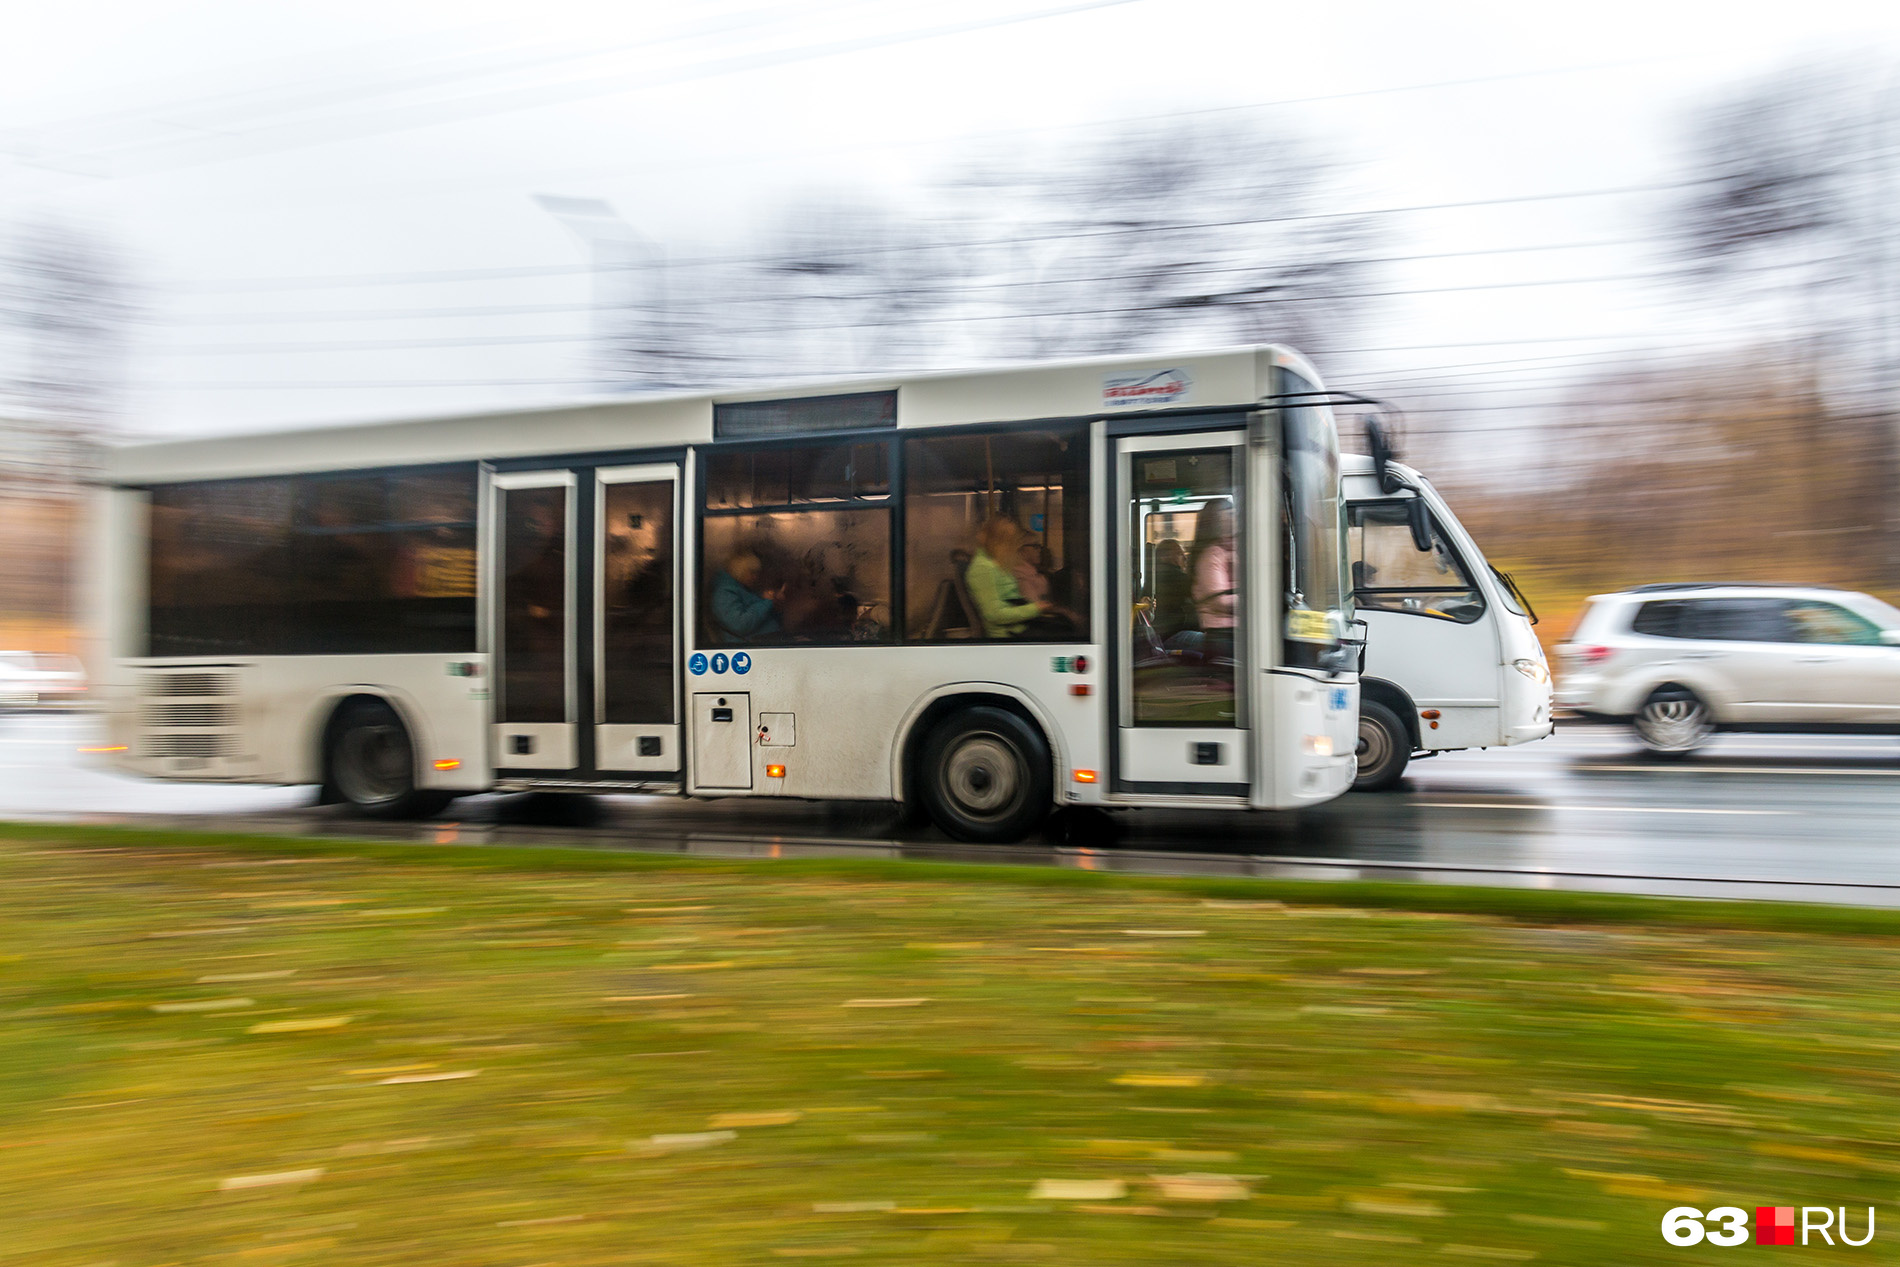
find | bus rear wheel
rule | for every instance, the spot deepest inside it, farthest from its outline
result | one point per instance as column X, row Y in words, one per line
column 372, row 764
column 1384, row 748
column 985, row 776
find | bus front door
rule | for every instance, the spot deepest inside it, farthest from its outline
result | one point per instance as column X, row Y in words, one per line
column 1181, row 692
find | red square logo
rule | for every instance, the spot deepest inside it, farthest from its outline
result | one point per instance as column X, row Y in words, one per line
column 1774, row 1225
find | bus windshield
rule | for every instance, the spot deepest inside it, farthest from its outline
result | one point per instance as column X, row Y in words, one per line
column 1316, row 589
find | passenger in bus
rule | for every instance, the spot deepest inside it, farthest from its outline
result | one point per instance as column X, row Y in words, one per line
column 741, row 610
column 1173, row 591
column 1211, row 563
column 999, row 599
column 1029, row 574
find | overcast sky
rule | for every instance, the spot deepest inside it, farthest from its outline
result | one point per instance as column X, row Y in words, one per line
column 284, row 176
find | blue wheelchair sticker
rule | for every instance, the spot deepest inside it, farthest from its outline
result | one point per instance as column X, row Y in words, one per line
column 1340, row 697
column 719, row 662
column 697, row 663
column 741, row 662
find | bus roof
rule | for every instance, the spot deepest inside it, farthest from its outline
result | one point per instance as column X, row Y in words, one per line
column 1074, row 389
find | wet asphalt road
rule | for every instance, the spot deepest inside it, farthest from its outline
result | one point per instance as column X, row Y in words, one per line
column 1783, row 817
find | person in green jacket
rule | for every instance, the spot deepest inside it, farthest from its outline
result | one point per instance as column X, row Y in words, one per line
column 999, row 599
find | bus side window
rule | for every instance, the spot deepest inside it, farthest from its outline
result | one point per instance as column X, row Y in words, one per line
column 996, row 536
column 796, row 545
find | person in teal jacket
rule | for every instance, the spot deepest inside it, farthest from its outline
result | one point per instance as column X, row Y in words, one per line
column 740, row 612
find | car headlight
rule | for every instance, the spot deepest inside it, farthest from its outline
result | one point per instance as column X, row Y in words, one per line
column 1535, row 670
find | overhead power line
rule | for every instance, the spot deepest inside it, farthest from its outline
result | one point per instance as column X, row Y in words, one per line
column 238, row 285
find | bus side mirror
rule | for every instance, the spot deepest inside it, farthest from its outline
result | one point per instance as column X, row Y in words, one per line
column 1381, row 446
column 1420, row 520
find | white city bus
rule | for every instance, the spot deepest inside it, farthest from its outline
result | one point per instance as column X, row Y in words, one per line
column 1451, row 659
column 790, row 593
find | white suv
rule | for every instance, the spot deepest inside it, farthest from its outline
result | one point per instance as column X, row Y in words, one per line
column 1680, row 662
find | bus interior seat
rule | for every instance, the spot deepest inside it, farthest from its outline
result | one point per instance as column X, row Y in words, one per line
column 937, row 624
column 960, row 564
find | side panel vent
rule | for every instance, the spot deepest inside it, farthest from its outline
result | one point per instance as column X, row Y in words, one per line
column 200, row 747
column 189, row 685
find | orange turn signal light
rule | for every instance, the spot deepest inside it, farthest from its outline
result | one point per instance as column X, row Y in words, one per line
column 111, row 747
column 448, row 763
column 1080, row 688
column 775, row 772
column 1083, row 776
column 1429, row 714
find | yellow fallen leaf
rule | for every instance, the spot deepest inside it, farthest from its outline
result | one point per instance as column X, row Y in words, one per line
column 1078, row 1190
column 1199, row 1187
column 1161, row 1080
column 300, row 1026
column 451, row 1076
column 785, row 1117
column 204, row 1005
column 239, row 1182
column 1394, row 1205
column 884, row 1002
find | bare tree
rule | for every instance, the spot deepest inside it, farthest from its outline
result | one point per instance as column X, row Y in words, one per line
column 1795, row 210
column 1152, row 238
column 68, row 311
column 1190, row 232
column 65, row 319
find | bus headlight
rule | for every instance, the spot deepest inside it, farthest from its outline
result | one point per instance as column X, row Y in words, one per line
column 1317, row 745
column 1535, row 670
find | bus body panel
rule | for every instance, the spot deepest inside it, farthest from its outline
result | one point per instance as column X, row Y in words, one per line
column 818, row 721
column 262, row 719
column 1460, row 671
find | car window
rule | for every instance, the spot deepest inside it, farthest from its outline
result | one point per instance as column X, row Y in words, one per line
column 1660, row 620
column 1813, row 621
column 1736, row 620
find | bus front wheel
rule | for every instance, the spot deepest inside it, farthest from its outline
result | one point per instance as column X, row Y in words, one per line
column 372, row 764
column 1384, row 748
column 985, row 776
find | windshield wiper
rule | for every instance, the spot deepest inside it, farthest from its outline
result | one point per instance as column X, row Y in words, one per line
column 1516, row 593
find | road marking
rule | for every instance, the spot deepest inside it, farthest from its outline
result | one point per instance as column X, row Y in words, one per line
column 1735, row 769
column 1593, row 809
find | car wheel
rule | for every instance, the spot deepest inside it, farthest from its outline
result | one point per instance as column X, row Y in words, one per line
column 1385, row 748
column 985, row 776
column 372, row 764
column 1673, row 721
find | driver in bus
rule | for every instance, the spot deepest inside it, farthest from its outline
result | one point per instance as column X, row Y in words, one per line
column 741, row 612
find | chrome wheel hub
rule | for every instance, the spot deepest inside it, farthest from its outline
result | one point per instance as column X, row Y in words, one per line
column 1673, row 725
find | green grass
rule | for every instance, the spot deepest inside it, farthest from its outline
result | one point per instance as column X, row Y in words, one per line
column 1374, row 1073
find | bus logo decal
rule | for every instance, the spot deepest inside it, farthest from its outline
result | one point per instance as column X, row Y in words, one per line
column 1162, row 387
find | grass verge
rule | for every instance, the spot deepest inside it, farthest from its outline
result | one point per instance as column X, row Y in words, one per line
column 267, row 1050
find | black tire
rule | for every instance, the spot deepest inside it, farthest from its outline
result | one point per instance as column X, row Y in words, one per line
column 985, row 776
column 1673, row 722
column 1385, row 747
column 371, row 764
